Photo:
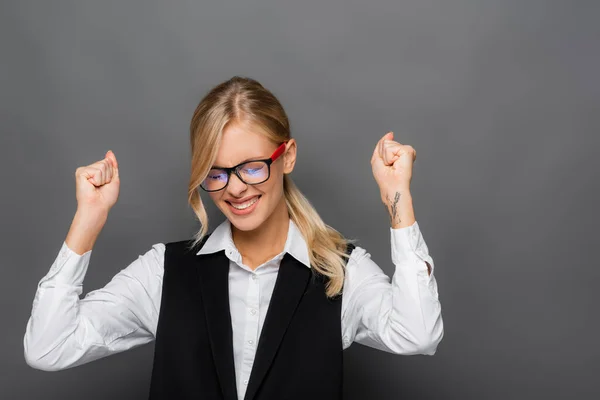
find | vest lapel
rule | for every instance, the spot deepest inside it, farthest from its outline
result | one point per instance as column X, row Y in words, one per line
column 292, row 280
column 213, row 271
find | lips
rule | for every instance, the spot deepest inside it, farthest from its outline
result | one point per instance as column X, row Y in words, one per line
column 244, row 211
column 241, row 201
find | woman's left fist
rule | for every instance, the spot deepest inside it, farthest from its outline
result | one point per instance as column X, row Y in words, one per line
column 392, row 164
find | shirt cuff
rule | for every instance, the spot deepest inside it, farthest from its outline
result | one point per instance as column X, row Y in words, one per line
column 69, row 267
column 409, row 246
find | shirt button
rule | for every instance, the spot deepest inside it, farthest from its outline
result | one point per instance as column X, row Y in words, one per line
column 245, row 381
column 250, row 341
column 254, row 277
column 253, row 311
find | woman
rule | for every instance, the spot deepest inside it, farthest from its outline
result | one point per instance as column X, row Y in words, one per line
column 253, row 309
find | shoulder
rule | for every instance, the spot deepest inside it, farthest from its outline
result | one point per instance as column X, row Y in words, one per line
column 182, row 248
column 354, row 251
column 185, row 247
column 179, row 244
column 360, row 267
column 152, row 261
column 358, row 254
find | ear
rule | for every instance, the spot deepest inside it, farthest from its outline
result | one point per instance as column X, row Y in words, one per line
column 289, row 156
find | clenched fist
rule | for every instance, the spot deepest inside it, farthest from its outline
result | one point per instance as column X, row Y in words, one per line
column 97, row 184
column 392, row 164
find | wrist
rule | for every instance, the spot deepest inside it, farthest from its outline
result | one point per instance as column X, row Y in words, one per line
column 91, row 216
column 389, row 195
column 85, row 229
column 399, row 206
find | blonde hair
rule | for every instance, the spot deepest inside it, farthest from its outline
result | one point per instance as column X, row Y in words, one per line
column 243, row 99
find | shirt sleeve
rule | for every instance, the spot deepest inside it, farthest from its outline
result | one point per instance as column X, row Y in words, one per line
column 64, row 331
column 402, row 316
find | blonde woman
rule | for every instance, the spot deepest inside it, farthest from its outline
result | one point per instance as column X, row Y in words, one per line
column 264, row 305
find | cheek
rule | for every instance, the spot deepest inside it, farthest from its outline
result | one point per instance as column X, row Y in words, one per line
column 273, row 193
column 274, row 186
column 216, row 199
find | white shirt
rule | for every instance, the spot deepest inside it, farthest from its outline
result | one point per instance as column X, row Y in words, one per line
column 402, row 316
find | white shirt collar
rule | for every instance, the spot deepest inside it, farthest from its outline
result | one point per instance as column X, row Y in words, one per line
column 221, row 239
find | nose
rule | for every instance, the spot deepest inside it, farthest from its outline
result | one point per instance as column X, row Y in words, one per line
column 236, row 186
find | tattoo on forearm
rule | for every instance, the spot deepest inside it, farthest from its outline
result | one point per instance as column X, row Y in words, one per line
column 393, row 208
column 387, row 211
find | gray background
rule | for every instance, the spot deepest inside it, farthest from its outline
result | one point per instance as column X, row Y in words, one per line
column 500, row 99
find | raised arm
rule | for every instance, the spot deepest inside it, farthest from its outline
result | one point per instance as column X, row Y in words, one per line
column 402, row 316
column 63, row 330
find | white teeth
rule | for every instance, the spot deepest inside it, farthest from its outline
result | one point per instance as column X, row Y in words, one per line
column 245, row 205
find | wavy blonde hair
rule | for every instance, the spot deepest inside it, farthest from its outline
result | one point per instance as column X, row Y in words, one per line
column 243, row 99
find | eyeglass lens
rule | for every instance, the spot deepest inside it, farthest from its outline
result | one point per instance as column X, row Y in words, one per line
column 252, row 172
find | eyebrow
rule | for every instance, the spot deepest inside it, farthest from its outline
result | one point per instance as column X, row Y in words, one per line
column 247, row 159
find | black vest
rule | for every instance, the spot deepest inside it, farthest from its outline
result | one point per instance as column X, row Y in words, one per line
column 299, row 353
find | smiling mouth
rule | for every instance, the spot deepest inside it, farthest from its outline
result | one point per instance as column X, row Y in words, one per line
column 244, row 205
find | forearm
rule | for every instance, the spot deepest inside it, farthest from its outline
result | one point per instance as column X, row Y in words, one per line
column 399, row 206
column 84, row 230
column 52, row 328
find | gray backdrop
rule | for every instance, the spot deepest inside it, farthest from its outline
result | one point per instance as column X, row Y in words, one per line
column 500, row 99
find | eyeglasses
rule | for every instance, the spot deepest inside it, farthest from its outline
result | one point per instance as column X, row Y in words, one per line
column 250, row 172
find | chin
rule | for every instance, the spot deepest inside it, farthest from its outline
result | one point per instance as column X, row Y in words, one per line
column 245, row 225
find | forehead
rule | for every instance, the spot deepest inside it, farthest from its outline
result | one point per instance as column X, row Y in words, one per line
column 241, row 142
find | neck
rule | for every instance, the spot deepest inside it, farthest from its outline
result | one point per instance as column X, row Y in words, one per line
column 263, row 243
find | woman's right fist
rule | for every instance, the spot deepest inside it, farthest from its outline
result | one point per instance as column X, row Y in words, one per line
column 97, row 185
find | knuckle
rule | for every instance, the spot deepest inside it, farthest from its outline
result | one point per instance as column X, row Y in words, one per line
column 83, row 170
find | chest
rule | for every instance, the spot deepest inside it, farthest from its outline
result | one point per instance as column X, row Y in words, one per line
column 208, row 315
